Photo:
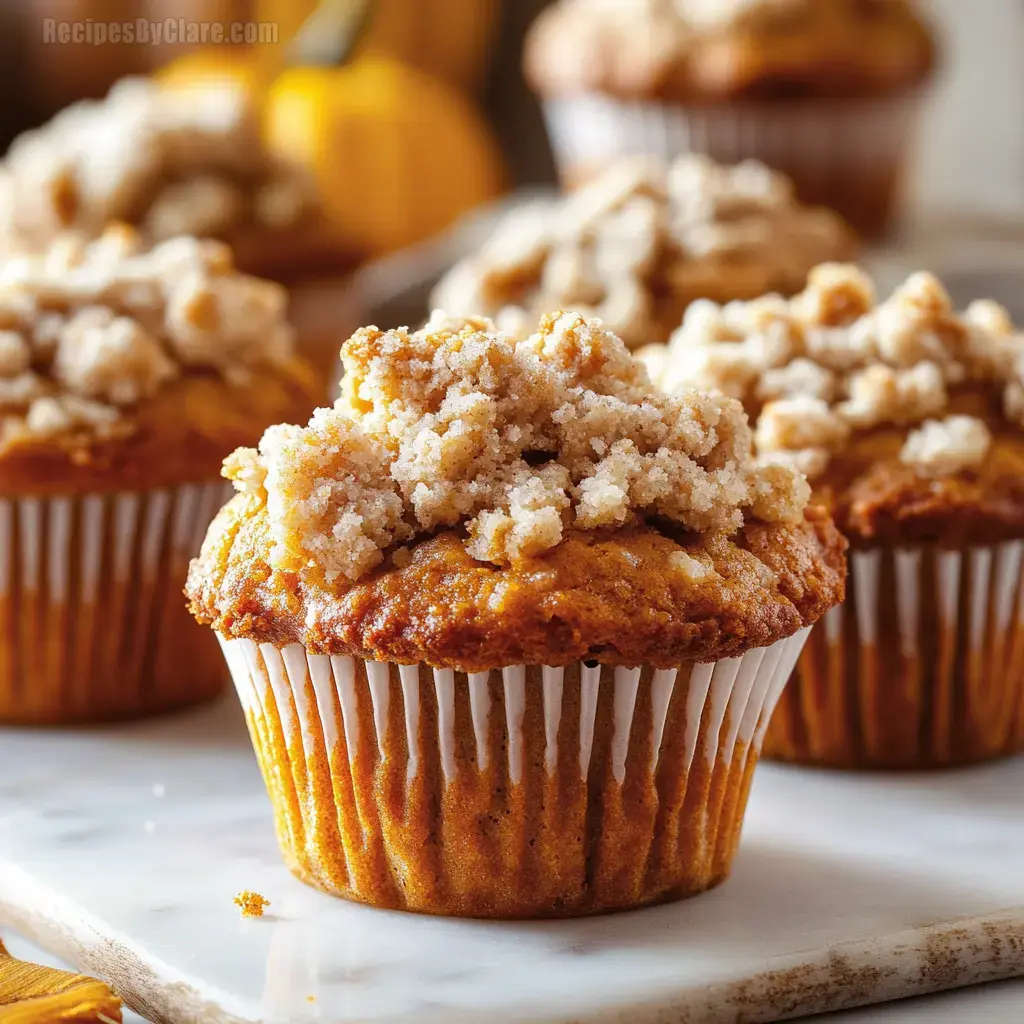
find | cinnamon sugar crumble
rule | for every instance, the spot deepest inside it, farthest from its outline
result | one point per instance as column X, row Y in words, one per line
column 458, row 424
column 172, row 161
column 252, row 903
column 636, row 233
column 833, row 361
column 88, row 330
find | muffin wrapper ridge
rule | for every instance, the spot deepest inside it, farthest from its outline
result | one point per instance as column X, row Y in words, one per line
column 527, row 791
column 844, row 154
column 94, row 621
column 923, row 666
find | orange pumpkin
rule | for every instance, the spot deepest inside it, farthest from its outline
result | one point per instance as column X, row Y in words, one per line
column 397, row 154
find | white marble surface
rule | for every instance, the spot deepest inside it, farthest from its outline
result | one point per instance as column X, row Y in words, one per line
column 1000, row 1002
column 122, row 850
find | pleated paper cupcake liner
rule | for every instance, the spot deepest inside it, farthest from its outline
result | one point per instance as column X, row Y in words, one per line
column 92, row 618
column 922, row 667
column 528, row 791
column 844, row 154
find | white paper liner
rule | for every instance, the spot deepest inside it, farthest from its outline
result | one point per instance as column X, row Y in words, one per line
column 90, row 593
column 939, row 682
column 843, row 154
column 360, row 756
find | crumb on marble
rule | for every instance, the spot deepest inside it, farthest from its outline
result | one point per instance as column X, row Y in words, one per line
column 252, row 903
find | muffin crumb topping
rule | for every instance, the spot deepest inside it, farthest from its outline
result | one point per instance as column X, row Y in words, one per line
column 833, row 361
column 619, row 246
column 173, row 161
column 88, row 330
column 457, row 424
column 944, row 447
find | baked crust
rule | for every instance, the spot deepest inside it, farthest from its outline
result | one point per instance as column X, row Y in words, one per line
column 763, row 52
column 874, row 497
column 179, row 435
column 625, row 597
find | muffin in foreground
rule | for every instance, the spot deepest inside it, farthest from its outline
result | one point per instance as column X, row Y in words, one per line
column 826, row 90
column 639, row 244
column 126, row 375
column 907, row 418
column 508, row 624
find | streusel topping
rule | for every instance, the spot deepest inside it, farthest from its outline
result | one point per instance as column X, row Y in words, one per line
column 833, row 361
column 520, row 442
column 89, row 329
column 171, row 161
column 630, row 245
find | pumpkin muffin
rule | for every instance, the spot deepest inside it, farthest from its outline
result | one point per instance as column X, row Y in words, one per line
column 637, row 245
column 126, row 375
column 907, row 418
column 508, row 623
column 826, row 90
column 177, row 161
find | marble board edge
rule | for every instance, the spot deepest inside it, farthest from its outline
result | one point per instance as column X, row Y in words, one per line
column 150, row 987
column 918, row 961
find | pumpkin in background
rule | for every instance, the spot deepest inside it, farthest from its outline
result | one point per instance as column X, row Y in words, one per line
column 449, row 39
column 397, row 154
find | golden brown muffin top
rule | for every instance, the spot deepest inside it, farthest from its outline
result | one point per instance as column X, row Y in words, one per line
column 639, row 243
column 112, row 354
column 698, row 51
column 476, row 502
column 905, row 415
column 171, row 161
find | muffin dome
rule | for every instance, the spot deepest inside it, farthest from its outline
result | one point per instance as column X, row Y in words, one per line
column 171, row 162
column 638, row 244
column 708, row 50
column 122, row 366
column 473, row 502
column 905, row 415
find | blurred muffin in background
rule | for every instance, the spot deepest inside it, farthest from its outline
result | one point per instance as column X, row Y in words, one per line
column 826, row 90
column 907, row 417
column 126, row 375
column 641, row 242
column 172, row 161
column 304, row 176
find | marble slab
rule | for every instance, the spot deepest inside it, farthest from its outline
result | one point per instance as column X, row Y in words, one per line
column 121, row 850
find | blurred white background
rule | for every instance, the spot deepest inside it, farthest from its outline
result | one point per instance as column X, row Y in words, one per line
column 971, row 152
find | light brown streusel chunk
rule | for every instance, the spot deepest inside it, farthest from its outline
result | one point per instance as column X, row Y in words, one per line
column 944, row 447
column 325, row 497
column 456, row 424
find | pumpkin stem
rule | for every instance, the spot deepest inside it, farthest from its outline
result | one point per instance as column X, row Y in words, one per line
column 328, row 37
